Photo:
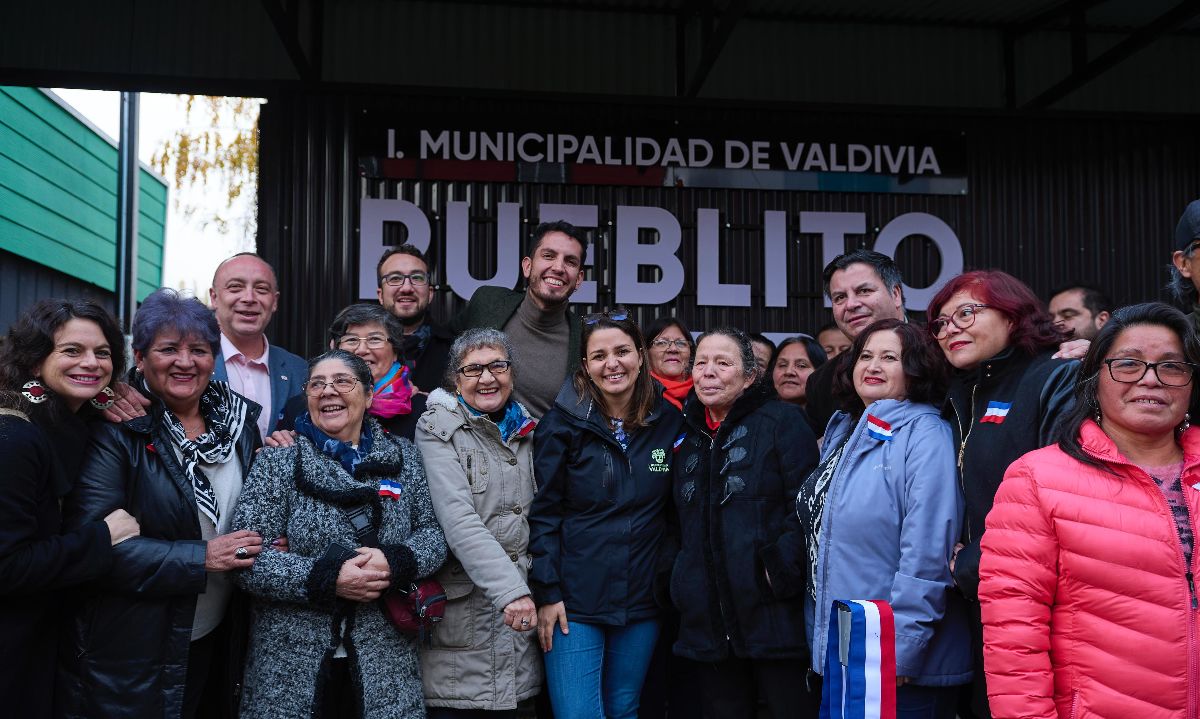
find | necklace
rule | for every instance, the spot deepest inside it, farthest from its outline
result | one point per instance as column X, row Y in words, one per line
column 618, row 429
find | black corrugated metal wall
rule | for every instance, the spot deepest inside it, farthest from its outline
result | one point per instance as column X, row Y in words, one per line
column 1050, row 199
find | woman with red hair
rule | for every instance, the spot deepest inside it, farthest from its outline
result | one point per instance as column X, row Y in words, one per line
column 1006, row 393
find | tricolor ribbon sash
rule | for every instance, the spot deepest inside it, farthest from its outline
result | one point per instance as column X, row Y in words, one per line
column 879, row 429
column 860, row 662
column 996, row 412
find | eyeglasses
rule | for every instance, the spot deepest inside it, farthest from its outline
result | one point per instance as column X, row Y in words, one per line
column 497, row 367
column 351, row 342
column 962, row 318
column 396, row 279
column 667, row 344
column 597, row 316
column 1170, row 373
column 341, row 385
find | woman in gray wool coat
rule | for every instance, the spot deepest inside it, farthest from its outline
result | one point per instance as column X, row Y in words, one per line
column 319, row 644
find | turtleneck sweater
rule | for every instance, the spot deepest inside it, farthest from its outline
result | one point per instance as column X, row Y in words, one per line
column 540, row 340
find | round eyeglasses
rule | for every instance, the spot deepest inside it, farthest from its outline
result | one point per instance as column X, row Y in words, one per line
column 963, row 317
column 341, row 385
column 352, row 342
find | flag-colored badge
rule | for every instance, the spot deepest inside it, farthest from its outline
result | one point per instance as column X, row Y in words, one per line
column 860, row 663
column 389, row 489
column 526, row 426
column 996, row 412
column 879, row 429
column 678, row 442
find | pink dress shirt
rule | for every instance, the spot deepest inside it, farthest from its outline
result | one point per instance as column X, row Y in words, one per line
column 250, row 378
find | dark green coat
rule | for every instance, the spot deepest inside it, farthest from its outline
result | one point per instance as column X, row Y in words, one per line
column 494, row 307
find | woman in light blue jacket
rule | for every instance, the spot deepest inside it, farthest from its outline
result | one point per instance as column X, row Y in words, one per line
column 883, row 510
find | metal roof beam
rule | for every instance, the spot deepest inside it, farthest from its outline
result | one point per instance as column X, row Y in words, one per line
column 1070, row 9
column 1168, row 21
column 287, row 26
column 715, row 43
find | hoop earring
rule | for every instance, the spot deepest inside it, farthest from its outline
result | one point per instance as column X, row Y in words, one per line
column 105, row 399
column 35, row 391
column 1183, row 426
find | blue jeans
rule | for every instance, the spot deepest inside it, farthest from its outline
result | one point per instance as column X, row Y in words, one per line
column 598, row 671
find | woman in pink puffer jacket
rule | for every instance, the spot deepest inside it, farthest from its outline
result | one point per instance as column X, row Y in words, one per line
column 1086, row 576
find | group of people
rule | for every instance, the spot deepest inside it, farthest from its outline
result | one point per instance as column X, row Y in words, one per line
column 625, row 520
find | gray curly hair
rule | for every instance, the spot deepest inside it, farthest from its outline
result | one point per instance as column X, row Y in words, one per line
column 472, row 340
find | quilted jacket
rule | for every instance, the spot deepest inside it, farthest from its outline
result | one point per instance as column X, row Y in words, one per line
column 1088, row 606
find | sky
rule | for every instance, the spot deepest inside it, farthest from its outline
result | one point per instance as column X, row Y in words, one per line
column 193, row 247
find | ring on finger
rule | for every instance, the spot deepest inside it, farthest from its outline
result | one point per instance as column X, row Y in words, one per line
column 241, row 553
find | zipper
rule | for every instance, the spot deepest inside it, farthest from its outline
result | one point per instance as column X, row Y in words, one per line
column 962, row 449
column 851, row 444
column 712, row 446
column 1074, row 703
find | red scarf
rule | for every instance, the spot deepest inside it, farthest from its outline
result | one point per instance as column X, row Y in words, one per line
column 675, row 391
column 713, row 425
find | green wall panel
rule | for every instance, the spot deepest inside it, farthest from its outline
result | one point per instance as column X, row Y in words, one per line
column 58, row 198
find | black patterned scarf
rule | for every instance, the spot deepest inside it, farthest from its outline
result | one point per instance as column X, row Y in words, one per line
column 224, row 413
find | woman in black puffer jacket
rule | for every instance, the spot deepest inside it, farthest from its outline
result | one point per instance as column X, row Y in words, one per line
column 740, row 575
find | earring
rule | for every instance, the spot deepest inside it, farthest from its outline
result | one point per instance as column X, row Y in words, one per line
column 1097, row 415
column 1183, row 426
column 34, row 391
column 105, row 399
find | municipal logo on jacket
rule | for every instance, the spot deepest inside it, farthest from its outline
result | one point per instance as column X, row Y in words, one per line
column 659, row 463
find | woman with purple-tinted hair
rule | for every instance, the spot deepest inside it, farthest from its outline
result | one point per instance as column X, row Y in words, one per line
column 156, row 636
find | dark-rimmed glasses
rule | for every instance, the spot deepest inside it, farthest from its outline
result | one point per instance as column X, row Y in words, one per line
column 1170, row 373
column 496, row 367
column 341, row 385
column 396, row 279
column 963, row 317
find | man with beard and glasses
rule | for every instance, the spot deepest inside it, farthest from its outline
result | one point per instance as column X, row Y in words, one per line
column 543, row 331
column 405, row 290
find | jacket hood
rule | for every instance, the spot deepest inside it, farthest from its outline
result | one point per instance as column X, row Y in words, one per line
column 445, row 414
column 582, row 408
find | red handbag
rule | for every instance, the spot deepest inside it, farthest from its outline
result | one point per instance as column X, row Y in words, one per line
column 415, row 612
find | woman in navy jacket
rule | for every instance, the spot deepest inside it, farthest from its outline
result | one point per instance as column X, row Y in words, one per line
column 602, row 461
column 739, row 577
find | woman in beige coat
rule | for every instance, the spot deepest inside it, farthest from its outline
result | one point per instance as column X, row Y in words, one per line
column 478, row 445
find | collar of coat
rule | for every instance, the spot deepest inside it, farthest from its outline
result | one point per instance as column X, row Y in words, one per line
column 583, row 409
column 444, row 415
column 1096, row 442
column 321, row 476
column 754, row 397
